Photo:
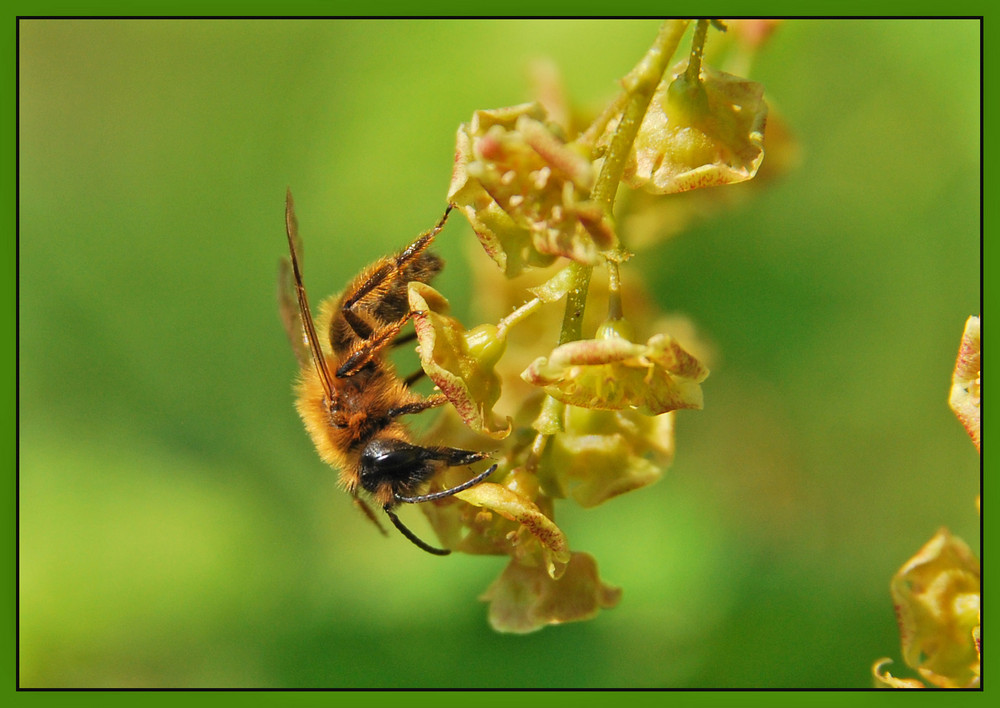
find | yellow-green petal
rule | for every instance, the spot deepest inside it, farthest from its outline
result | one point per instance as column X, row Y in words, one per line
column 883, row 679
column 705, row 135
column 515, row 507
column 937, row 598
column 615, row 374
column 966, row 382
column 459, row 362
column 525, row 598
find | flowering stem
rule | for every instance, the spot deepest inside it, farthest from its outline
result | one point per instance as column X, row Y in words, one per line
column 590, row 136
column 640, row 83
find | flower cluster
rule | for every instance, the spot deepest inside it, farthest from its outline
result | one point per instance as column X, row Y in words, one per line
column 937, row 592
column 589, row 415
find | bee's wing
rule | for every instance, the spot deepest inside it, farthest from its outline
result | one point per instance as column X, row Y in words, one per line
column 288, row 307
column 292, row 303
column 297, row 317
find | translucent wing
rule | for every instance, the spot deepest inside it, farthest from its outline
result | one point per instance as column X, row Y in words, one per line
column 288, row 307
column 294, row 306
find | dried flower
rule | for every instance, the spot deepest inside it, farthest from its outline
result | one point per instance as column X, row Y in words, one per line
column 525, row 598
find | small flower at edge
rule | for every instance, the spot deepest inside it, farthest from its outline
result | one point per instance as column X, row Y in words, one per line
column 883, row 679
column 937, row 599
column 966, row 386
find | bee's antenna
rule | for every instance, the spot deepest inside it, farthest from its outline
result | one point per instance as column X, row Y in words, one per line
column 413, row 537
column 431, row 497
column 447, row 492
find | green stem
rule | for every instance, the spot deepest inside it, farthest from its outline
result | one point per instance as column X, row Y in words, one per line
column 640, row 84
column 615, row 310
column 517, row 315
column 693, row 72
column 576, row 300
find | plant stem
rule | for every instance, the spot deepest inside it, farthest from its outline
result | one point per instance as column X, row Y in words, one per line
column 517, row 315
column 615, row 310
column 640, row 83
column 693, row 72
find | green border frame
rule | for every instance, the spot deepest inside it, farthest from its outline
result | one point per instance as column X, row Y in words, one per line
column 485, row 699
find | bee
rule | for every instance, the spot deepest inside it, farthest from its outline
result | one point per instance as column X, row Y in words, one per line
column 349, row 395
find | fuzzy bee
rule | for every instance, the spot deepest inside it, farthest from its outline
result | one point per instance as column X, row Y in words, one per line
column 349, row 394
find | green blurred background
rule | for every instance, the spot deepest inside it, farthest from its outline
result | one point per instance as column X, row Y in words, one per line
column 177, row 528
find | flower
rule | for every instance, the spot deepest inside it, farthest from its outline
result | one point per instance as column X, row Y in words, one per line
column 459, row 362
column 613, row 373
column 966, row 381
column 937, row 599
column 602, row 454
column 544, row 582
column 525, row 598
column 883, row 679
column 541, row 542
column 697, row 133
column 526, row 191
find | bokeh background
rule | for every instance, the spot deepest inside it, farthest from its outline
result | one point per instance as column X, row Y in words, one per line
column 176, row 527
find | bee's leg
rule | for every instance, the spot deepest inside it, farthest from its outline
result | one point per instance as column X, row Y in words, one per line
column 414, row 377
column 373, row 341
column 418, row 405
column 386, row 272
column 362, row 328
column 370, row 347
column 403, row 339
column 454, row 490
column 367, row 511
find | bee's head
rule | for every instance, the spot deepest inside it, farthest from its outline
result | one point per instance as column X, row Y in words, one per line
column 390, row 465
